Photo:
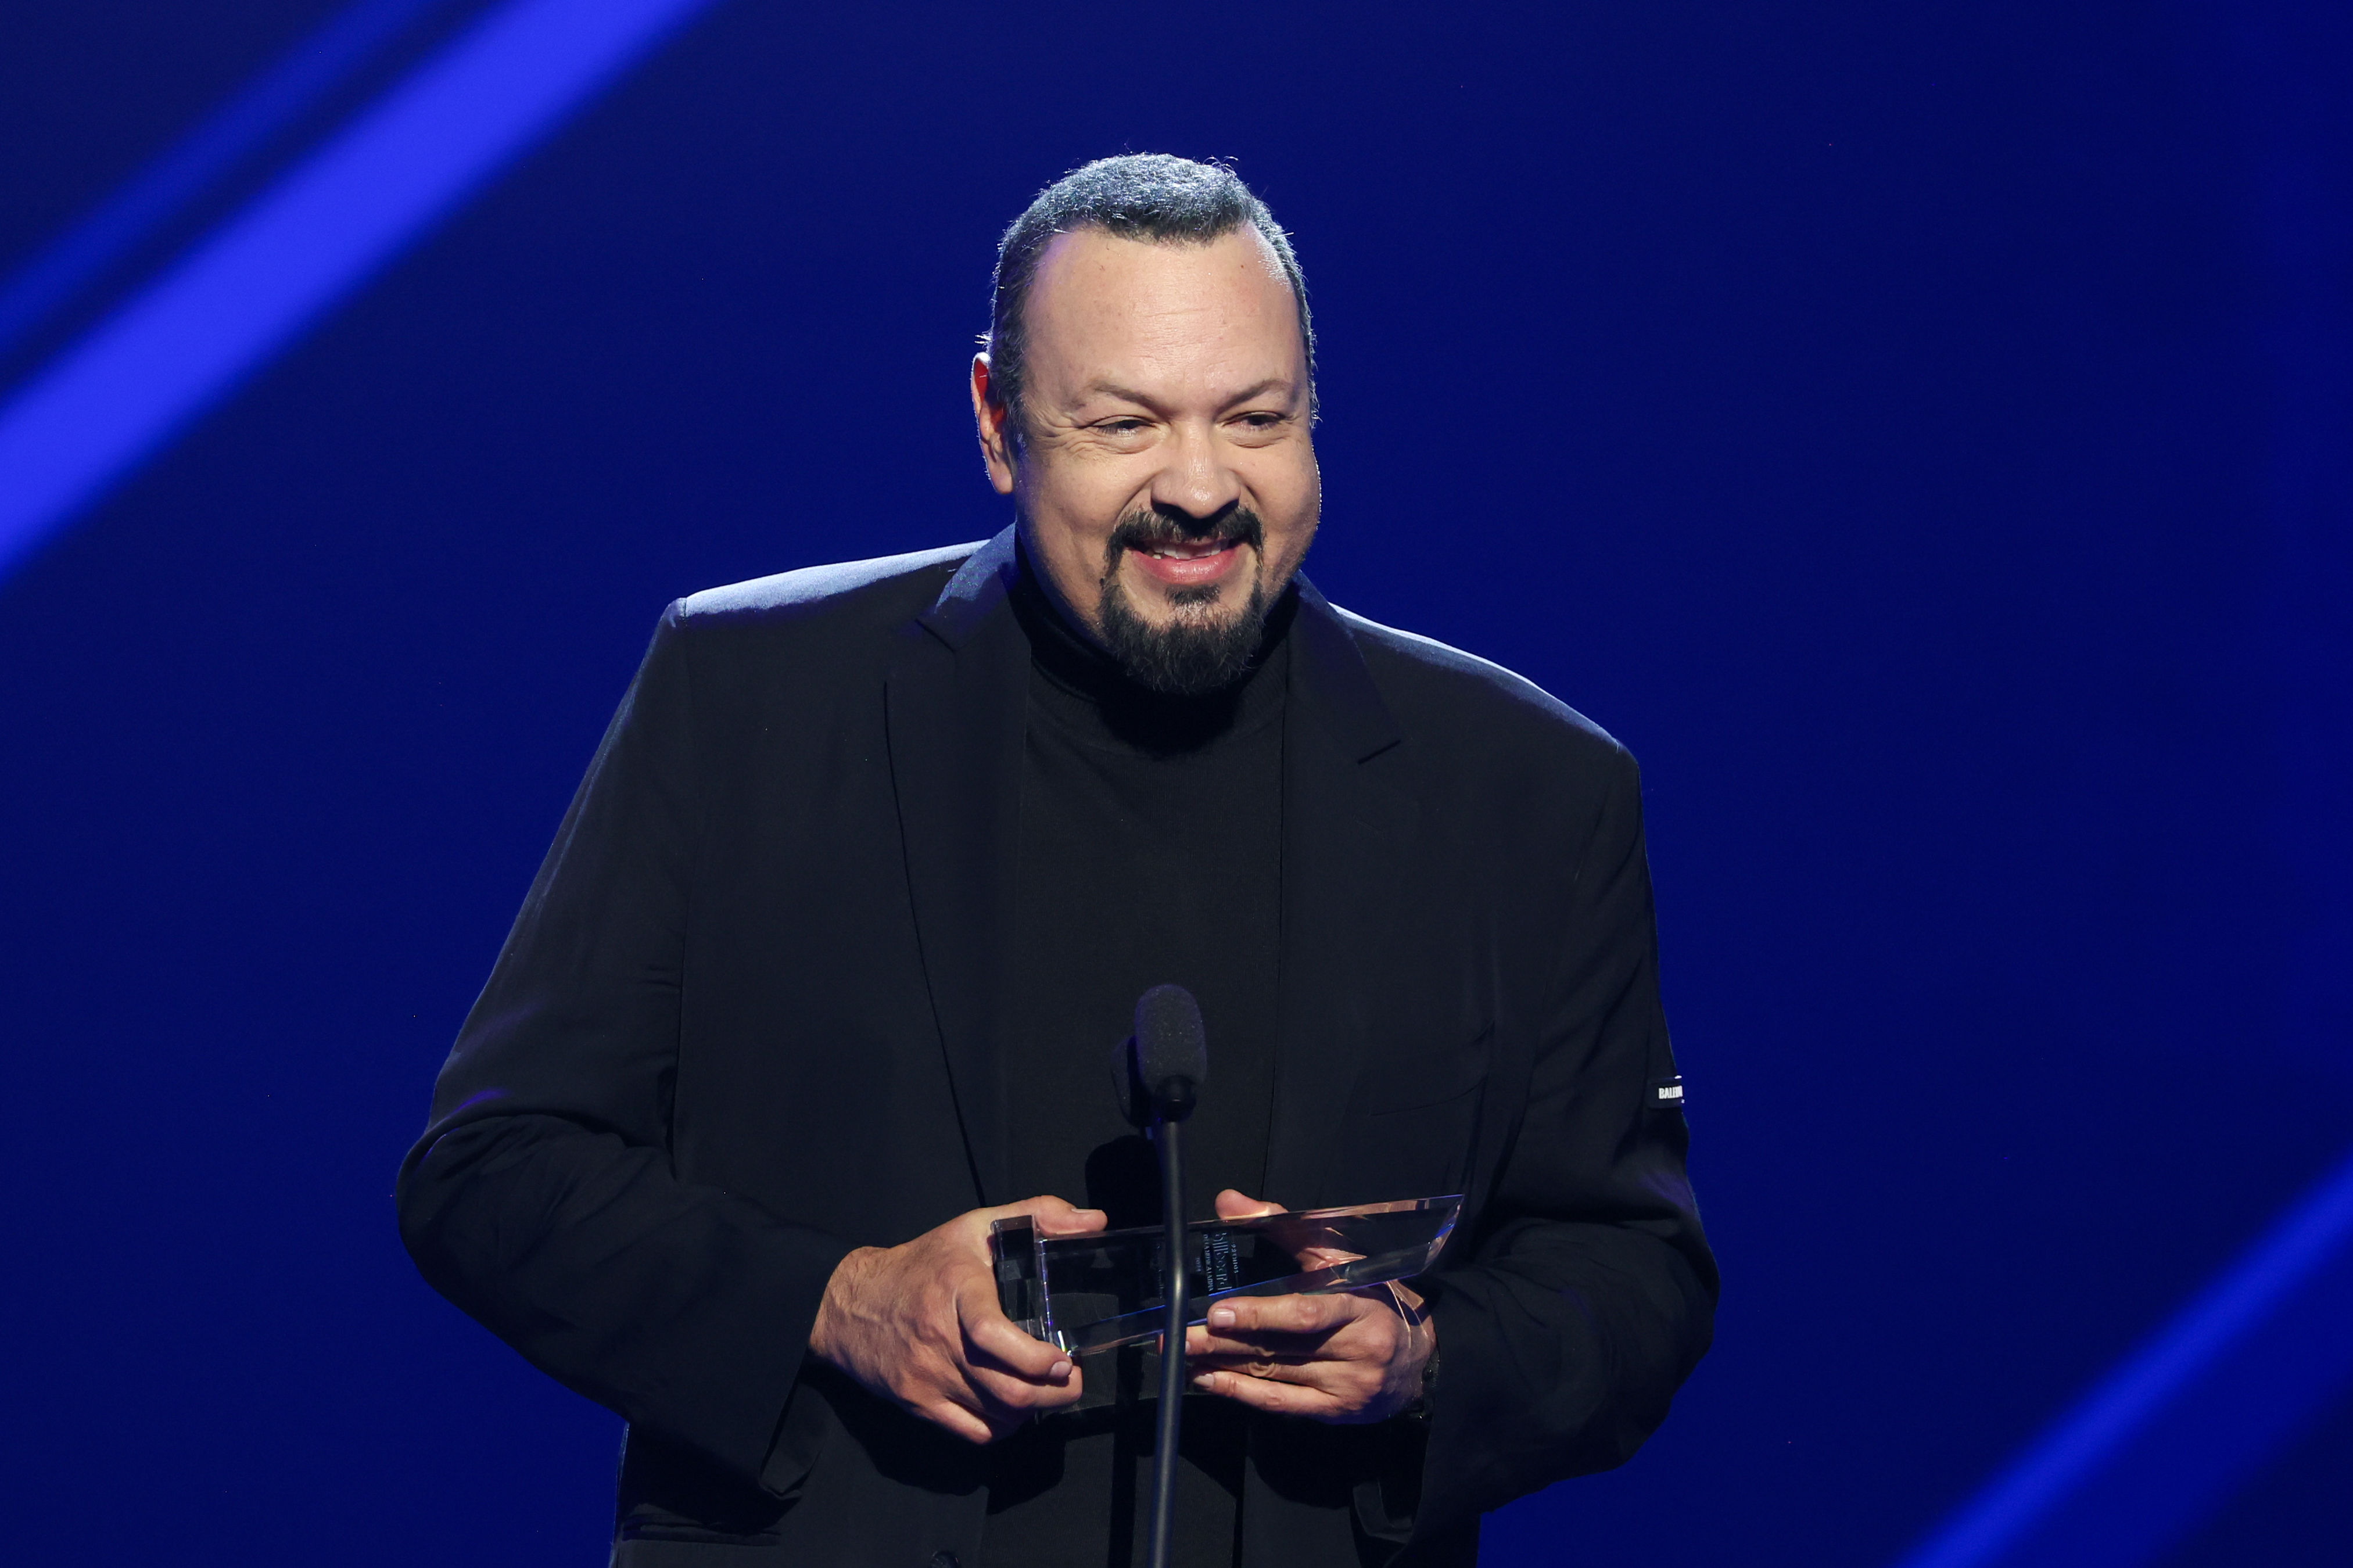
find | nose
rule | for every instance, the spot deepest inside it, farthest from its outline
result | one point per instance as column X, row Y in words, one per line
column 1195, row 481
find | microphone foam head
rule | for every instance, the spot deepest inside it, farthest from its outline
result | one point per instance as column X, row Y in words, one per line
column 1170, row 1042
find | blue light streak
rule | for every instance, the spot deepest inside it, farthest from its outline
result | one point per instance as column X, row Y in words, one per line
column 2001, row 1525
column 115, row 397
column 160, row 191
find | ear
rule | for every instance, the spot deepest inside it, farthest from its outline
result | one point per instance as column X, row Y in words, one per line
column 990, row 416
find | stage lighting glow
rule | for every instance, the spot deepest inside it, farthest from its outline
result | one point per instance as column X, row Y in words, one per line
column 275, row 99
column 2119, row 1471
column 112, row 399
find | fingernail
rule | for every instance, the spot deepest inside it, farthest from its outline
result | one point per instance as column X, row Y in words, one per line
column 1062, row 1369
column 1222, row 1317
column 1205, row 1380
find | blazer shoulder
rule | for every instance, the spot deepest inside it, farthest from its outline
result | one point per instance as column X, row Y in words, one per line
column 1435, row 686
column 883, row 593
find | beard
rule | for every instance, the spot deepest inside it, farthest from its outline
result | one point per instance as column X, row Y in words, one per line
column 1198, row 651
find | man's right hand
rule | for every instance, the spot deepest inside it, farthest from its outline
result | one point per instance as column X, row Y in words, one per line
column 919, row 1324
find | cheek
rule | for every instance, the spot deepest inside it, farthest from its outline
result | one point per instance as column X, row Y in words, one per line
column 1292, row 497
column 1287, row 541
column 1081, row 507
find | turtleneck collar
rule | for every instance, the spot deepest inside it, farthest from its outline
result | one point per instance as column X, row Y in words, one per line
column 1083, row 686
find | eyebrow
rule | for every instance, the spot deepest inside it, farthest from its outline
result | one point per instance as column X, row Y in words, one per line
column 1112, row 389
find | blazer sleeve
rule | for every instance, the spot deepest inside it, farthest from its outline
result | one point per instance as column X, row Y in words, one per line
column 1590, row 1293
column 542, row 1198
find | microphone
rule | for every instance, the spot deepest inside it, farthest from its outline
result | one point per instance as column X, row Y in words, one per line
column 1158, row 1072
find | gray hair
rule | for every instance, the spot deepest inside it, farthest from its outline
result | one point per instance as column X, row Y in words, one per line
column 1149, row 197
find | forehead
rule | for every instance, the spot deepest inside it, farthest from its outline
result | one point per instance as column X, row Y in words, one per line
column 1102, row 303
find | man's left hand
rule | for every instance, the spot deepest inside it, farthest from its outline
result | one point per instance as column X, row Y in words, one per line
column 1353, row 1357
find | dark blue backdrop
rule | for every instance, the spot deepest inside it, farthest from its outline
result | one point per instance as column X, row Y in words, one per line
column 1917, row 431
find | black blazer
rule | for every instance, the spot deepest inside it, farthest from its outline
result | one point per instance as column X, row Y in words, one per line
column 746, row 1021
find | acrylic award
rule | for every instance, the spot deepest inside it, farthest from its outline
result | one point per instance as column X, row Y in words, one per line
column 1083, row 1293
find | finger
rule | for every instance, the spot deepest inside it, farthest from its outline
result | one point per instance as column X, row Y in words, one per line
column 1330, row 1376
column 1284, row 1314
column 1050, row 1368
column 946, row 1412
column 1068, row 1221
column 1201, row 1343
column 1272, row 1394
column 992, row 1342
column 1233, row 1204
column 1308, row 1258
column 1342, row 1381
column 1358, row 1336
column 990, row 1339
column 1018, row 1395
column 939, row 1394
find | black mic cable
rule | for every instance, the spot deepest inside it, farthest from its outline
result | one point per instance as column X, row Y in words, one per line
column 1165, row 1063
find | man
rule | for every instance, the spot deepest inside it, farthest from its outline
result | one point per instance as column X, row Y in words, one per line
column 823, row 972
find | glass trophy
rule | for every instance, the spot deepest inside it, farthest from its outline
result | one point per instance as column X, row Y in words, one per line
column 1083, row 1293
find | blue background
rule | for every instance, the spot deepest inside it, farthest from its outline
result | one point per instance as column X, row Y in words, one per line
column 1918, row 431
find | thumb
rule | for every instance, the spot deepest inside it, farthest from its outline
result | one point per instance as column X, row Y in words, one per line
column 1055, row 1217
column 1233, row 1204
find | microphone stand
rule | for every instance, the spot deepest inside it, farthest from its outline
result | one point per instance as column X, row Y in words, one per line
column 1171, row 1106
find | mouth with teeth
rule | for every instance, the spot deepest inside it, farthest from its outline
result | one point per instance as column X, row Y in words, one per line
column 1192, row 568
column 1192, row 564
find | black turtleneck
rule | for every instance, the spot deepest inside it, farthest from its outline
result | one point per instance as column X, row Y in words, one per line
column 1150, row 852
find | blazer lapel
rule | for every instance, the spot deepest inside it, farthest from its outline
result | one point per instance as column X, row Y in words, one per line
column 957, row 699
column 1349, row 837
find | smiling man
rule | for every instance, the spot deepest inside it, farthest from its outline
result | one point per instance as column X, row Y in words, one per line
column 1162, row 397
column 822, row 974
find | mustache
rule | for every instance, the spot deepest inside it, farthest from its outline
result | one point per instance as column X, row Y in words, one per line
column 1144, row 529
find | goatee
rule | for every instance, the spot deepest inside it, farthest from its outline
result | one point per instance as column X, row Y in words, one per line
column 1198, row 651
